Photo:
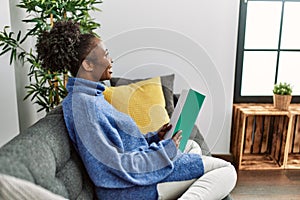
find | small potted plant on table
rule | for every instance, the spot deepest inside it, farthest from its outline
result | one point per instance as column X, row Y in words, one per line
column 282, row 96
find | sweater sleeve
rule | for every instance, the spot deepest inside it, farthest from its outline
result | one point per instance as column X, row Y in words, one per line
column 102, row 148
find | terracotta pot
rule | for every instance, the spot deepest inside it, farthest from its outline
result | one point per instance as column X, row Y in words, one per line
column 282, row 102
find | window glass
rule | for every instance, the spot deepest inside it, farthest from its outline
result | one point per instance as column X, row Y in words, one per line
column 289, row 70
column 262, row 25
column 291, row 26
column 258, row 73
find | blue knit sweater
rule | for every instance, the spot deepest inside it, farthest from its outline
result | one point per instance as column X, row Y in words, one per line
column 121, row 161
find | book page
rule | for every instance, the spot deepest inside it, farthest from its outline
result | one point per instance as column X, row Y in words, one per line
column 176, row 113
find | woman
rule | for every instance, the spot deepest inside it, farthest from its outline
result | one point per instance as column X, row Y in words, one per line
column 121, row 161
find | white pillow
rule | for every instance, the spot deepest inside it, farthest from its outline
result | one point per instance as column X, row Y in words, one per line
column 14, row 188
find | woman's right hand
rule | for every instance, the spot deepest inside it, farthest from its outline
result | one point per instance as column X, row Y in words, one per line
column 177, row 137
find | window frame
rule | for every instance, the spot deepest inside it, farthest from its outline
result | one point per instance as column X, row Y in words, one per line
column 240, row 57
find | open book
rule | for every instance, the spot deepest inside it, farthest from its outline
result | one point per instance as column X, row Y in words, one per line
column 185, row 115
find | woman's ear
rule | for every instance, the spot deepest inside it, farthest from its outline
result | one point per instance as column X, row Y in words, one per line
column 87, row 66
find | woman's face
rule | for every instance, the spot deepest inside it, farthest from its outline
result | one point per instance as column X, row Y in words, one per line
column 102, row 63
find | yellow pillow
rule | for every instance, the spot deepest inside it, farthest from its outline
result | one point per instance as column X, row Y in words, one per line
column 144, row 101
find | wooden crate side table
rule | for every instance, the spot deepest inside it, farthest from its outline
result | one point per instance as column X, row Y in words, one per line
column 276, row 122
column 292, row 151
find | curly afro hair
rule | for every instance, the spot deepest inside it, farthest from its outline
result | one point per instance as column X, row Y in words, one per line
column 64, row 47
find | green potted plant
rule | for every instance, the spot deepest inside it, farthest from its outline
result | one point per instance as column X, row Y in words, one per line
column 46, row 88
column 282, row 95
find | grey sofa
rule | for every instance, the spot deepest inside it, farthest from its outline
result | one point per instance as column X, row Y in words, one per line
column 44, row 155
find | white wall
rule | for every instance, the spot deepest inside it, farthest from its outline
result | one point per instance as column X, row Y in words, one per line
column 27, row 111
column 194, row 39
column 16, row 114
column 9, row 126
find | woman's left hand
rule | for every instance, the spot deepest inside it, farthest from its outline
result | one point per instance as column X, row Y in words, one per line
column 163, row 130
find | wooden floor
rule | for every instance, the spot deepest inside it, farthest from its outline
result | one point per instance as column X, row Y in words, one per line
column 267, row 185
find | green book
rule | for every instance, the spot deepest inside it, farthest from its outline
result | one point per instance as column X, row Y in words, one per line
column 185, row 114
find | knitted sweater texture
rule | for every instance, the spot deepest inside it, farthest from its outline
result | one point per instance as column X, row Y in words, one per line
column 122, row 162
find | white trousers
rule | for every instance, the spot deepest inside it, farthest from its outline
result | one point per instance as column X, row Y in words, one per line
column 217, row 182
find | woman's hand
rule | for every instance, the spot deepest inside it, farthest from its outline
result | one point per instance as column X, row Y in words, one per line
column 177, row 137
column 163, row 130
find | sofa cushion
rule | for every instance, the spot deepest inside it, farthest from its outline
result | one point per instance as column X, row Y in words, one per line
column 14, row 188
column 143, row 101
column 167, row 83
